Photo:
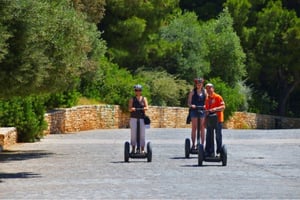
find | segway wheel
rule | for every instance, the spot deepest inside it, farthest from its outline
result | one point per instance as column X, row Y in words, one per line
column 126, row 152
column 149, row 152
column 187, row 147
column 200, row 154
column 224, row 155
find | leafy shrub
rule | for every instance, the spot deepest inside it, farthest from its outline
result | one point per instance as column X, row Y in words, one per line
column 165, row 89
column 62, row 100
column 111, row 84
column 26, row 114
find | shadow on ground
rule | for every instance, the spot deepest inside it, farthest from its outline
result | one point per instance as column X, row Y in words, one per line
column 18, row 175
column 7, row 156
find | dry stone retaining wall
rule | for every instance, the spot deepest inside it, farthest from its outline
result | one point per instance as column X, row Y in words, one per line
column 110, row 116
column 89, row 117
column 8, row 136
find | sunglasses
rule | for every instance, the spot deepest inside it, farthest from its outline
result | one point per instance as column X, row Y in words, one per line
column 138, row 90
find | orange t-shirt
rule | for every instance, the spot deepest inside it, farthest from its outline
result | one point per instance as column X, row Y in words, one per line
column 215, row 101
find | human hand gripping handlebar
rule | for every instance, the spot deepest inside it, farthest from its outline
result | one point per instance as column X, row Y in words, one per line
column 136, row 109
column 198, row 108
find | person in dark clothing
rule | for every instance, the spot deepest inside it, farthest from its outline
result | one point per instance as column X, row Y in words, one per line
column 138, row 101
column 197, row 98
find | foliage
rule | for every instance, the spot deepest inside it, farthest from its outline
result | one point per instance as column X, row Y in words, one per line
column 226, row 55
column 278, row 37
column 190, row 59
column 165, row 89
column 94, row 9
column 205, row 9
column 26, row 114
column 46, row 42
column 110, row 84
column 262, row 103
column 131, row 28
column 270, row 35
column 64, row 99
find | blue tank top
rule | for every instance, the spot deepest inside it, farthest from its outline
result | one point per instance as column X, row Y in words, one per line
column 198, row 100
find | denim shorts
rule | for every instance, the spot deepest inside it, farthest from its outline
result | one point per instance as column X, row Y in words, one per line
column 195, row 114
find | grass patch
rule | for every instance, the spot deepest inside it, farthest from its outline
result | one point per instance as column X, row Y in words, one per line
column 86, row 101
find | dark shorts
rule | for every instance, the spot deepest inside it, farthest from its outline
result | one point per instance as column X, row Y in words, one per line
column 195, row 114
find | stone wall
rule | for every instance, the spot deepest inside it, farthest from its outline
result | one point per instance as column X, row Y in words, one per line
column 243, row 120
column 82, row 118
column 8, row 136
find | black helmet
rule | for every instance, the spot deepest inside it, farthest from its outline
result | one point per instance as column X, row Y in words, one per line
column 138, row 87
column 198, row 80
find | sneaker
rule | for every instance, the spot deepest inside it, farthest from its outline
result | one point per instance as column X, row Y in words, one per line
column 218, row 155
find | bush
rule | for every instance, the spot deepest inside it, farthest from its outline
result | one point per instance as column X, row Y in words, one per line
column 111, row 84
column 65, row 99
column 26, row 114
column 165, row 89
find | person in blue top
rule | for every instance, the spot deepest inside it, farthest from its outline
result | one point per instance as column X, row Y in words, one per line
column 197, row 98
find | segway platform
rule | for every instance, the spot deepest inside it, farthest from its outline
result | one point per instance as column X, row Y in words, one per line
column 208, row 158
column 137, row 155
column 188, row 149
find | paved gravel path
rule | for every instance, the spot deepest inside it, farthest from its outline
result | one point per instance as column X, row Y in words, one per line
column 262, row 164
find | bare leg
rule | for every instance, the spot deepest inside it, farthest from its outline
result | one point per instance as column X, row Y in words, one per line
column 193, row 133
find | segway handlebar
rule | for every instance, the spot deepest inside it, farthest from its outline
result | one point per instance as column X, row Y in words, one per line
column 199, row 108
column 139, row 109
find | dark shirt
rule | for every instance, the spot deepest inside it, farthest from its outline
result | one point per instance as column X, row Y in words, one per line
column 138, row 104
column 198, row 99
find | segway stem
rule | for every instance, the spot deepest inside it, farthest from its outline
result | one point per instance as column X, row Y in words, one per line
column 138, row 131
column 199, row 109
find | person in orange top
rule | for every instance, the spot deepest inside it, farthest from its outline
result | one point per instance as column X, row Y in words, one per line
column 214, row 105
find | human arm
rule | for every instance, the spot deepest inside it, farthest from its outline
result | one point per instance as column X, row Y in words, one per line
column 190, row 105
column 130, row 107
column 145, row 104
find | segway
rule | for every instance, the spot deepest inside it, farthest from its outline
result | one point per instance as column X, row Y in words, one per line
column 212, row 121
column 137, row 154
column 188, row 149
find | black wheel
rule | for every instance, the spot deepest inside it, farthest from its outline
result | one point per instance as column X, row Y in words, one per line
column 187, row 147
column 224, row 155
column 126, row 152
column 149, row 152
column 200, row 154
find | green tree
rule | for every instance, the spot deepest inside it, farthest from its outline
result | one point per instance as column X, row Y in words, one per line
column 94, row 9
column 278, row 46
column 46, row 42
column 270, row 37
column 165, row 89
column 205, row 9
column 189, row 60
column 226, row 56
column 130, row 28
